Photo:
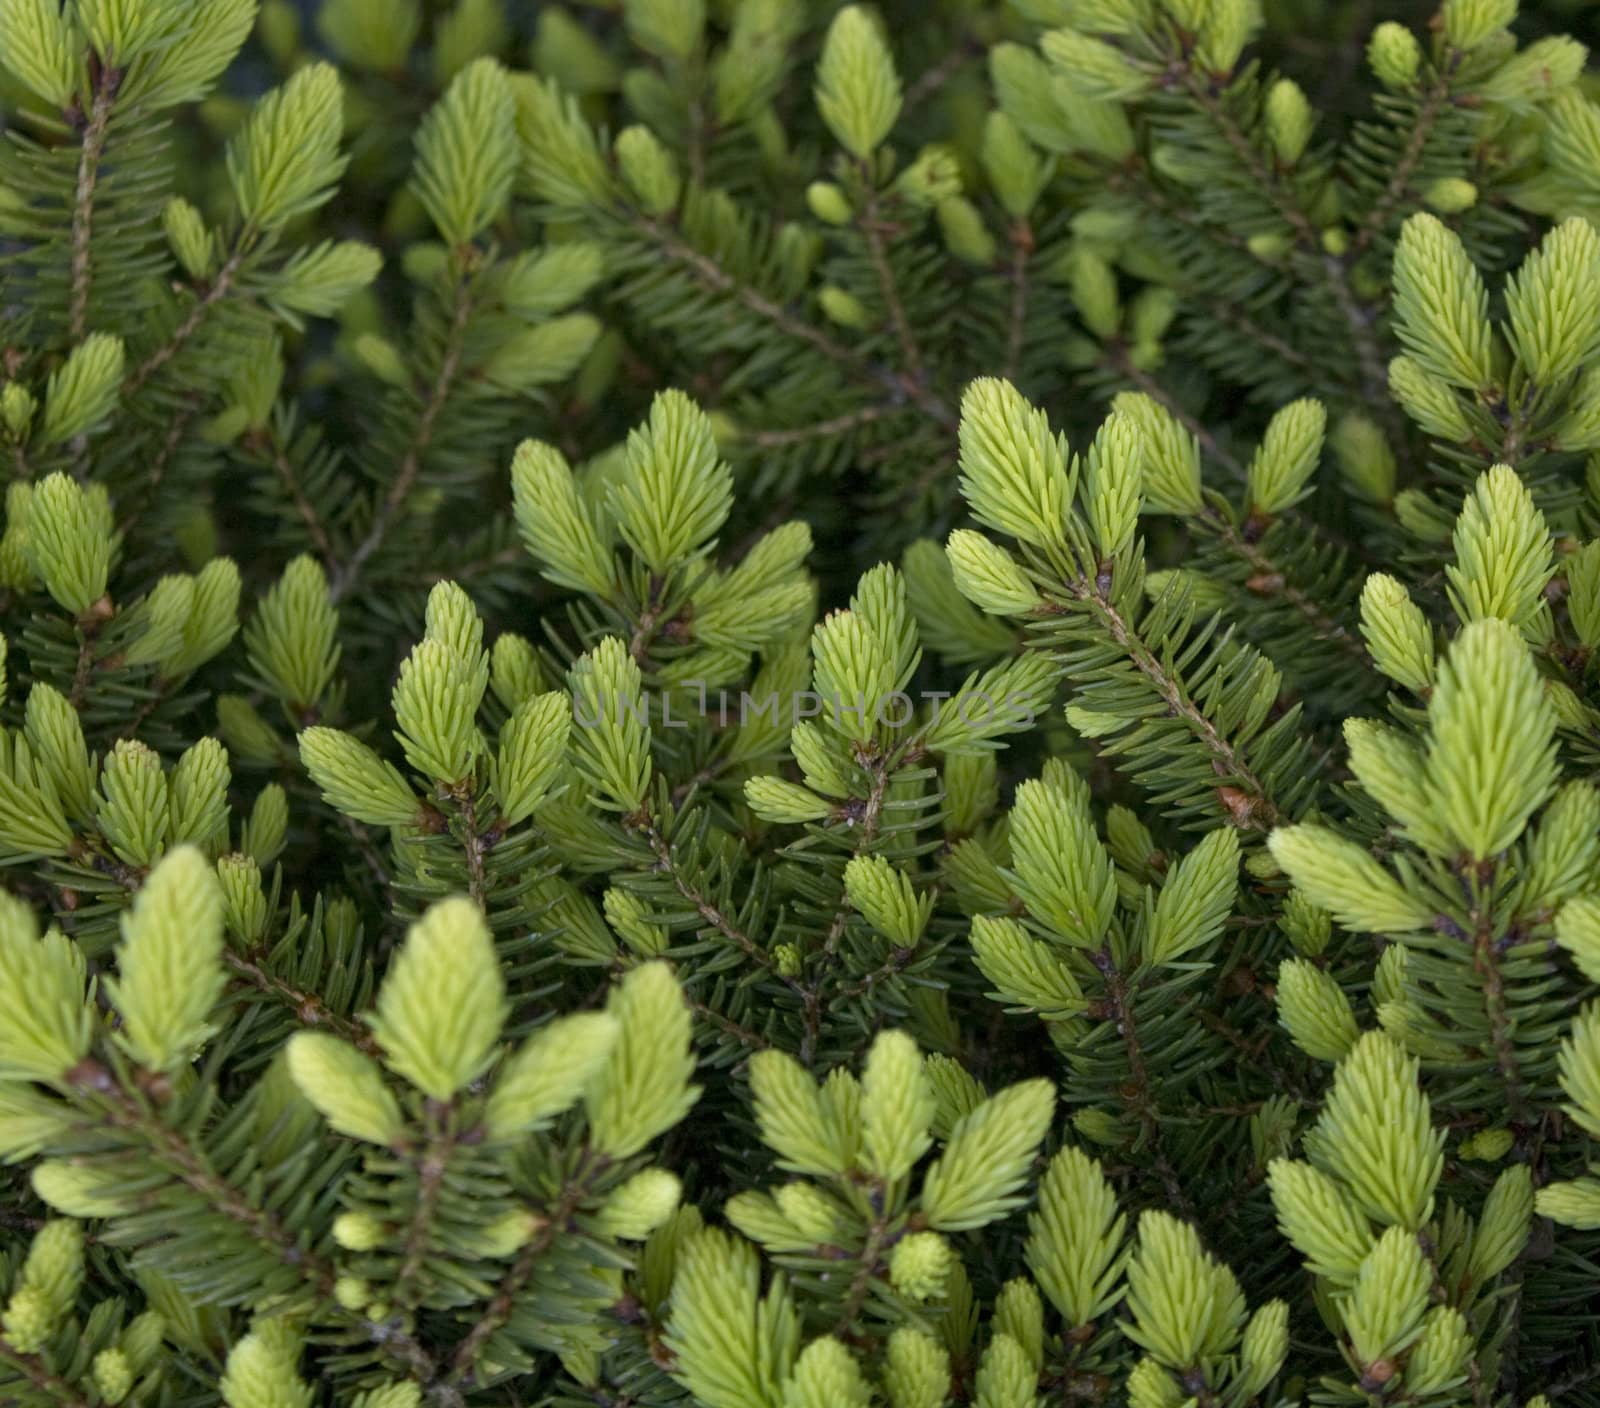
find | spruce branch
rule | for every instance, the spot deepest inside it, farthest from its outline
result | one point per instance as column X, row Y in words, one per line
column 1242, row 795
column 874, row 228
column 37, row 1372
column 214, row 292
column 178, row 1156
column 1435, row 101
column 1138, row 1094
column 899, row 387
column 818, row 430
column 290, row 478
column 310, row 1009
column 411, row 465
column 432, row 1158
column 93, row 143
column 462, row 1360
column 1022, row 249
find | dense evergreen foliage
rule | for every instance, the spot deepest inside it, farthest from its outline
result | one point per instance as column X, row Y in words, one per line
column 762, row 704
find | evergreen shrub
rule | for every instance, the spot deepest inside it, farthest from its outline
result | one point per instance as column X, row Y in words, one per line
column 762, row 704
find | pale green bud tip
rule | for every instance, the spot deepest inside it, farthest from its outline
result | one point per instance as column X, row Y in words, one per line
column 885, row 895
column 670, row 28
column 29, row 1320
column 649, row 170
column 1365, row 458
column 965, row 234
column 346, row 1086
column 248, row 736
column 1467, row 23
column 1013, row 470
column 1343, row 878
column 773, row 799
column 843, row 307
column 112, row 1375
column 809, row 1210
column 919, row 1264
column 358, row 1231
column 509, row 1232
column 988, row 576
column 917, row 1373
column 285, row 159
column 933, row 177
column 1150, row 1385
column 1429, row 400
column 1094, row 291
column 1540, row 72
column 1269, row 245
column 169, row 969
column 441, row 1007
column 39, row 49
column 1488, row 1145
column 858, row 90
column 79, row 1190
column 641, row 1205
column 1315, row 1010
column 187, row 234
column 69, row 541
column 630, row 917
column 1573, row 1204
column 1578, row 932
column 1281, row 473
column 514, row 670
column 1450, row 195
column 896, row 1106
column 351, row 1292
column 355, row 780
column 18, row 406
column 549, row 1072
column 141, row 1341
column 826, row 1372
column 261, row 1373
column 1097, row 70
column 83, row 391
column 829, row 203
column 1397, row 633
column 1395, row 55
column 1265, row 1344
column 1289, row 120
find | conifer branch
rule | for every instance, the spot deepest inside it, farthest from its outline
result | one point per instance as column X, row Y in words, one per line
column 1232, row 316
column 752, row 912
column 1434, row 103
column 411, row 464
column 1245, row 799
column 1118, row 360
column 819, row 430
column 290, row 478
column 93, row 148
column 310, row 1009
column 1017, row 317
column 556, row 1223
column 432, row 1163
column 873, row 228
column 1271, row 580
column 1486, row 953
column 715, row 278
column 216, row 290
column 180, row 1158
column 182, row 421
column 37, row 1372
column 711, row 913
